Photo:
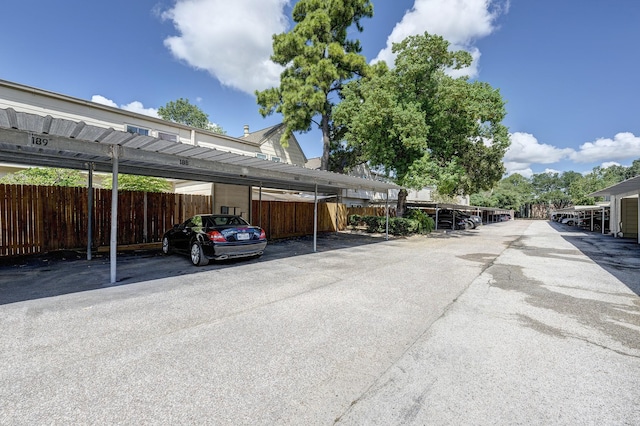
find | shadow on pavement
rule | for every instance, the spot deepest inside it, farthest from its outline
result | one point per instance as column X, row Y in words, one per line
column 64, row 272
column 618, row 256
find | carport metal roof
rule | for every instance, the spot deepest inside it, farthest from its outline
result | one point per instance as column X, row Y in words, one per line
column 46, row 141
column 33, row 139
column 627, row 187
column 597, row 207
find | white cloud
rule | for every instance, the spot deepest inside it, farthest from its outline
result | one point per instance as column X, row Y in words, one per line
column 461, row 22
column 232, row 41
column 524, row 172
column 104, row 101
column 134, row 106
column 623, row 146
column 552, row 171
column 525, row 149
column 608, row 164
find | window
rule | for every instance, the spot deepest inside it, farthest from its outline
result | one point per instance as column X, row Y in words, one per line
column 261, row 155
column 275, row 159
column 167, row 137
column 138, row 130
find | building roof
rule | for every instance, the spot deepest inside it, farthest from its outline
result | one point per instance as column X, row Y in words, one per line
column 627, row 187
column 261, row 136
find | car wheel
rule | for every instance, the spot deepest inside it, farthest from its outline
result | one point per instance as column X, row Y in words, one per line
column 166, row 246
column 197, row 255
column 597, row 227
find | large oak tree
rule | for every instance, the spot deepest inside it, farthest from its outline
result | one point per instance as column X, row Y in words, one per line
column 421, row 126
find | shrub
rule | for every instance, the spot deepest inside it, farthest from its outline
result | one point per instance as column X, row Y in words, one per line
column 397, row 225
column 426, row 223
column 354, row 220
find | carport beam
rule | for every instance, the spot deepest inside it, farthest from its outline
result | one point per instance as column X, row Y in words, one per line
column 113, row 248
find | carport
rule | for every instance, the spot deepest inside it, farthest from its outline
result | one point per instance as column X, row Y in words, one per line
column 625, row 193
column 38, row 140
column 488, row 214
column 587, row 211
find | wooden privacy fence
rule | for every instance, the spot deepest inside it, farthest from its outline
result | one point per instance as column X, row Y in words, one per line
column 371, row 211
column 38, row 219
column 294, row 219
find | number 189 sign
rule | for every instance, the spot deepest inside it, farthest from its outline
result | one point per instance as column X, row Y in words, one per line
column 39, row 140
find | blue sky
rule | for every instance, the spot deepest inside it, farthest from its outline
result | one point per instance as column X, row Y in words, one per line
column 568, row 69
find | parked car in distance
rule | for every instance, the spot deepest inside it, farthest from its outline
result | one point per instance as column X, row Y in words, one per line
column 207, row 237
column 476, row 220
column 571, row 220
column 446, row 218
column 597, row 223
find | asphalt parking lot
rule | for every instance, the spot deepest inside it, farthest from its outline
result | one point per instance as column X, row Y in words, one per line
column 519, row 322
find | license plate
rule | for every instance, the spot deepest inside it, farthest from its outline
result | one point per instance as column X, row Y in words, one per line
column 242, row 236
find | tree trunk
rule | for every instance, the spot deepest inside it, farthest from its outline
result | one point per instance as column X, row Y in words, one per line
column 402, row 202
column 326, row 143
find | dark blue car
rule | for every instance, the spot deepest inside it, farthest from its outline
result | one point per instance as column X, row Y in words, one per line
column 207, row 237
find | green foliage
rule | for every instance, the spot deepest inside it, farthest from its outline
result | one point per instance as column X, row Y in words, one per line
column 46, row 177
column 552, row 189
column 426, row 224
column 423, row 127
column 397, row 225
column 138, row 183
column 354, row 220
column 183, row 112
column 318, row 57
column 216, row 129
column 558, row 190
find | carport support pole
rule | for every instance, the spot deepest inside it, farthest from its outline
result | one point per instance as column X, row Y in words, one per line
column 260, row 206
column 113, row 244
column 315, row 219
column 638, row 222
column 90, row 210
column 337, row 211
column 386, row 206
column 145, row 237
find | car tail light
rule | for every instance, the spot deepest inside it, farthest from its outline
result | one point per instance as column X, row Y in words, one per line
column 216, row 237
column 263, row 235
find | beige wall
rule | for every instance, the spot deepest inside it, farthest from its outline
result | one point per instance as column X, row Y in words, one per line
column 236, row 197
column 292, row 154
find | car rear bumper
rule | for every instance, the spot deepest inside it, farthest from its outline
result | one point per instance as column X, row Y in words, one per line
column 234, row 250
